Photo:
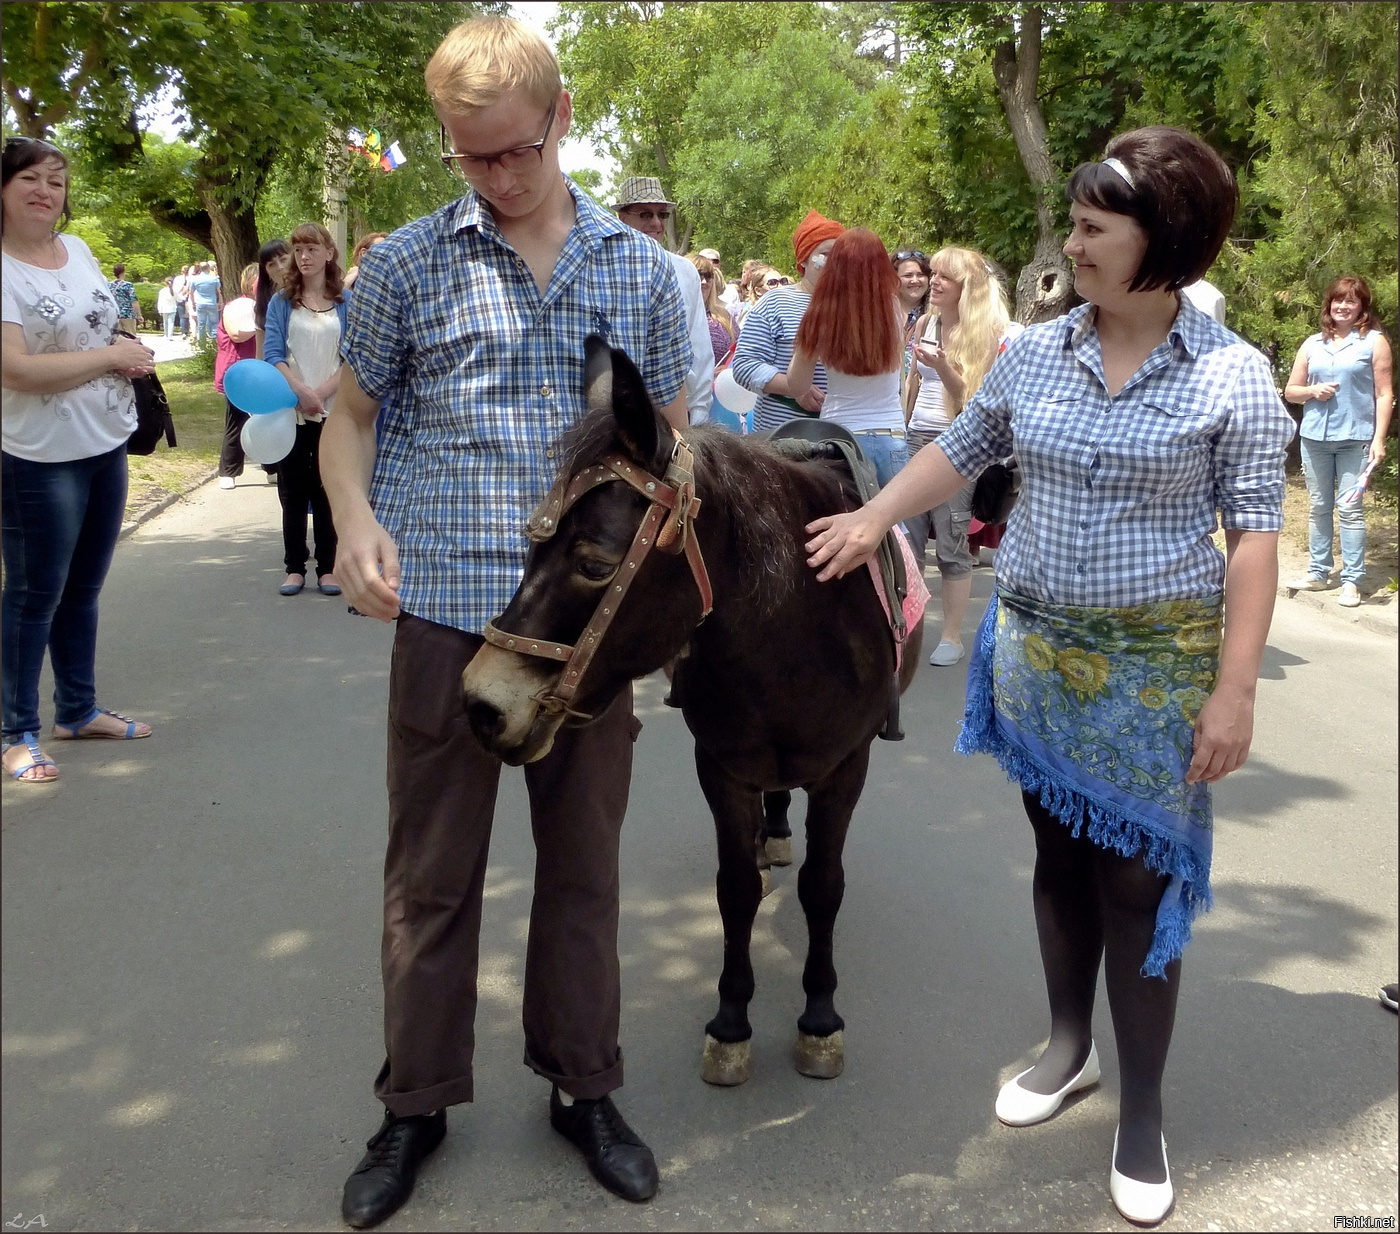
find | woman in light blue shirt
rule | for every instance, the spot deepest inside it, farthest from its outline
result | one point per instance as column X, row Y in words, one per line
column 1100, row 678
column 1342, row 376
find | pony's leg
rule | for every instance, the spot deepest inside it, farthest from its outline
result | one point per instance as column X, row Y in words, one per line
column 777, row 831
column 821, row 884
column 738, row 888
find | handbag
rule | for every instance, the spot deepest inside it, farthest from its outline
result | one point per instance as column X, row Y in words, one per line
column 995, row 493
column 153, row 418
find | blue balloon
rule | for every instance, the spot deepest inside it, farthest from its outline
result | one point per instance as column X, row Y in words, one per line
column 257, row 387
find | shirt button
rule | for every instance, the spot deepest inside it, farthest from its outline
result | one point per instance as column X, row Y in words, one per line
column 519, row 264
column 544, row 390
column 1084, row 524
column 1080, row 567
column 549, row 454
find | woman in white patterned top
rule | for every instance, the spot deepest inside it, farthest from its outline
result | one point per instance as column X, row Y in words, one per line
column 68, row 410
column 1100, row 679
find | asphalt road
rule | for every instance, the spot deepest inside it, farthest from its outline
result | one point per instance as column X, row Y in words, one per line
column 191, row 1007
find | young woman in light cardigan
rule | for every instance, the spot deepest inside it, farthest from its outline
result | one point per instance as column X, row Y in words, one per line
column 1133, row 418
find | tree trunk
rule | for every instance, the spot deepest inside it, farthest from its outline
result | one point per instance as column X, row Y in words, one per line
column 233, row 235
column 1045, row 287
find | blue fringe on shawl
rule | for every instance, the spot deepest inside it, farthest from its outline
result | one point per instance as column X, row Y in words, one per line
column 1175, row 844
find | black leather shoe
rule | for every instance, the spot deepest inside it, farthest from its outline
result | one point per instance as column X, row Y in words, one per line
column 384, row 1178
column 614, row 1152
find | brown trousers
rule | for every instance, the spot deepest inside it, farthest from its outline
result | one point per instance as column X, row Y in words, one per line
column 442, row 796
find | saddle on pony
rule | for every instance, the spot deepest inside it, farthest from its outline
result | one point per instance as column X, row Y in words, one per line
column 895, row 573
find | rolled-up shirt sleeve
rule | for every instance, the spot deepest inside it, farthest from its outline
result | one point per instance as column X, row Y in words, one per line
column 981, row 432
column 668, row 354
column 1249, row 453
column 753, row 366
column 375, row 343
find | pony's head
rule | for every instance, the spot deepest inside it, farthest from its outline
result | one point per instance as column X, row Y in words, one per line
column 579, row 550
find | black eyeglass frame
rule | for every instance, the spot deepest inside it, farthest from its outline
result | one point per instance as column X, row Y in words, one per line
column 646, row 215
column 455, row 160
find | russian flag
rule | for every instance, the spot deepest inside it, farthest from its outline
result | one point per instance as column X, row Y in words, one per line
column 393, row 158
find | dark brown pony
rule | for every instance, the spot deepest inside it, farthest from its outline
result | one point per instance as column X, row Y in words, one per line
column 783, row 685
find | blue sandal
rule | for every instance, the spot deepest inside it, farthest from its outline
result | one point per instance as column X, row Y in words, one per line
column 74, row 731
column 36, row 759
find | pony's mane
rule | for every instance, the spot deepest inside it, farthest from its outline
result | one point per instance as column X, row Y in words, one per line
column 769, row 497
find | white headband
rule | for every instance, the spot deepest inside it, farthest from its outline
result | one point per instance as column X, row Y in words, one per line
column 1122, row 171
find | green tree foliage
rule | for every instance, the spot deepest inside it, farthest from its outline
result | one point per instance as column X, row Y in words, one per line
column 750, row 132
column 1322, row 193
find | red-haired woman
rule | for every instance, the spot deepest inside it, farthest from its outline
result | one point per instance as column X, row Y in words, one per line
column 854, row 328
column 305, row 322
column 1342, row 376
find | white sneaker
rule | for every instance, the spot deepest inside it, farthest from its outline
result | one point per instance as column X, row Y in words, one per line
column 1350, row 597
column 1307, row 583
column 225, row 481
column 946, row 653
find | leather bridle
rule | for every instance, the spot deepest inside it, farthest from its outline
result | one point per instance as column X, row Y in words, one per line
column 667, row 525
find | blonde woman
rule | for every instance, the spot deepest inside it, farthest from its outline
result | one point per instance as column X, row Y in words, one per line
column 721, row 325
column 967, row 325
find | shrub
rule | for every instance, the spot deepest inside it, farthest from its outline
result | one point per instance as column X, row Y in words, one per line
column 146, row 296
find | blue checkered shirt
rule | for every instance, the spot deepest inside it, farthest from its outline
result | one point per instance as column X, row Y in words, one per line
column 479, row 375
column 1120, row 493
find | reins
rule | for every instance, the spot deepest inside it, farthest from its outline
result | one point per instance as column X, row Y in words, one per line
column 667, row 526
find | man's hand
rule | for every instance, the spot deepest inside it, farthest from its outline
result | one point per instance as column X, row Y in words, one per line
column 843, row 542
column 1224, row 730
column 367, row 565
column 812, row 400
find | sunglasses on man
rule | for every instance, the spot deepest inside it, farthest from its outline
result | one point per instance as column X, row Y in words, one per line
column 647, row 215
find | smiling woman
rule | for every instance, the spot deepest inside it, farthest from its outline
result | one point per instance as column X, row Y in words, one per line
column 68, row 411
column 1134, row 418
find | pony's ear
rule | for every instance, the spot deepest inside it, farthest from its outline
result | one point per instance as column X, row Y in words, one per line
column 612, row 383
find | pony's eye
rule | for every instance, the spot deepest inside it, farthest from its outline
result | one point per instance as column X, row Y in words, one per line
column 594, row 570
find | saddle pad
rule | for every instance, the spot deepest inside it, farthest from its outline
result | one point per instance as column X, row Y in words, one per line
column 916, row 598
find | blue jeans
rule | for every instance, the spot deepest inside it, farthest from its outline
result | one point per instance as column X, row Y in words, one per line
column 207, row 320
column 60, row 523
column 888, row 454
column 1332, row 467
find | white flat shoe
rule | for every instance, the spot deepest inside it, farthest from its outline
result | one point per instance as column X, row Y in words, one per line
column 1019, row 1107
column 1140, row 1203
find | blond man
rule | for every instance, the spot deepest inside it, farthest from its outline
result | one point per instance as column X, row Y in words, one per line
column 466, row 331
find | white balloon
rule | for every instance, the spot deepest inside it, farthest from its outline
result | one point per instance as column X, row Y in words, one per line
column 732, row 396
column 238, row 316
column 270, row 438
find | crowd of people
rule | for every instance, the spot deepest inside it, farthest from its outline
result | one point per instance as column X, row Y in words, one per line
column 433, row 380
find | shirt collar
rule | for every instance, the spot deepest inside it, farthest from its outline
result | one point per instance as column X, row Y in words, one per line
column 1188, row 330
column 592, row 220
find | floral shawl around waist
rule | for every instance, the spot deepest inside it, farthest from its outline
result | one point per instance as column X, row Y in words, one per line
column 1094, row 710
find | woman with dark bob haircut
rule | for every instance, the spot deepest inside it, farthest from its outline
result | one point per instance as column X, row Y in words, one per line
column 1134, row 417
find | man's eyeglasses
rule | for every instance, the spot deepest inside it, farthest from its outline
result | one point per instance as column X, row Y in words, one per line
column 908, row 255
column 521, row 158
column 647, row 215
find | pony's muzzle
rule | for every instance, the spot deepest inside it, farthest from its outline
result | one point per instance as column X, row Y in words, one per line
column 499, row 690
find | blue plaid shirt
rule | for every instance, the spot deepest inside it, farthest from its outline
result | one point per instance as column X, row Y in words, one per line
column 1120, row 493
column 479, row 375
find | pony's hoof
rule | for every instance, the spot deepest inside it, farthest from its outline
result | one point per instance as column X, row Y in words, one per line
column 725, row 1063
column 767, row 882
column 822, row 1058
column 779, row 850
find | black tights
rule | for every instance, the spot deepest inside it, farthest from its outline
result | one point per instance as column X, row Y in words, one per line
column 1092, row 903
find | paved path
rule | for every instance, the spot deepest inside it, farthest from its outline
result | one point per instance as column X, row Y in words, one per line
column 190, row 984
